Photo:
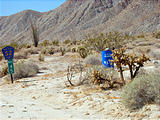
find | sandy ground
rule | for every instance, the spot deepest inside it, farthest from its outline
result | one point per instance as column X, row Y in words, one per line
column 45, row 96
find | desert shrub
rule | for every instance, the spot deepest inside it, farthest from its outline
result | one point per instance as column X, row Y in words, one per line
column 155, row 55
column 46, row 43
column 93, row 59
column 21, row 55
column 100, row 42
column 44, row 51
column 32, row 51
column 74, row 49
column 67, row 42
column 1, row 57
column 143, row 90
column 75, row 70
column 106, row 78
column 156, row 35
column 51, row 51
column 62, row 50
column 4, row 70
column 25, row 69
column 55, row 42
column 141, row 36
column 41, row 57
column 83, row 52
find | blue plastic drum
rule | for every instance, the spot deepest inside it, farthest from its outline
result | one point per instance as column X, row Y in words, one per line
column 106, row 57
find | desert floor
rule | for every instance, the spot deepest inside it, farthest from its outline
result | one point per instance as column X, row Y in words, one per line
column 45, row 96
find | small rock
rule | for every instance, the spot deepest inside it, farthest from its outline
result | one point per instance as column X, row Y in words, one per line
column 87, row 113
column 11, row 105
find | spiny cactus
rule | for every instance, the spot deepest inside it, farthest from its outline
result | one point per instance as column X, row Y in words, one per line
column 62, row 50
column 83, row 52
column 131, row 60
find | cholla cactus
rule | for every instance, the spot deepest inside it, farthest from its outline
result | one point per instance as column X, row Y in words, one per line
column 83, row 52
column 131, row 60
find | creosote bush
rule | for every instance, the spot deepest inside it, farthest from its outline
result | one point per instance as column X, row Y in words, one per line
column 21, row 55
column 143, row 90
column 1, row 57
column 4, row 70
column 94, row 59
column 55, row 42
column 100, row 42
column 25, row 69
column 41, row 57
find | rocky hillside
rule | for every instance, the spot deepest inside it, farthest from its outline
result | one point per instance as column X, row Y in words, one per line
column 75, row 18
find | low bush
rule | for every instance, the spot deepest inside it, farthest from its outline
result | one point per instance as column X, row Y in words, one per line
column 106, row 78
column 93, row 59
column 67, row 42
column 25, row 69
column 156, row 35
column 41, row 57
column 4, row 70
column 1, row 57
column 141, row 91
column 21, row 55
column 83, row 52
column 55, row 42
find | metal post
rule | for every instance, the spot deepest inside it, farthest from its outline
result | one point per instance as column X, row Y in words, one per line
column 12, row 78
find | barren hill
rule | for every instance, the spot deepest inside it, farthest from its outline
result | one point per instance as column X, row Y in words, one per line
column 75, row 18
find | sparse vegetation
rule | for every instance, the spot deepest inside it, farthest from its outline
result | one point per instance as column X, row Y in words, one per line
column 62, row 50
column 93, row 59
column 1, row 57
column 75, row 69
column 25, row 69
column 55, row 42
column 105, row 78
column 83, row 52
column 67, row 42
column 45, row 43
column 143, row 90
column 156, row 34
column 133, row 62
column 4, row 70
column 100, row 42
column 41, row 57
column 21, row 55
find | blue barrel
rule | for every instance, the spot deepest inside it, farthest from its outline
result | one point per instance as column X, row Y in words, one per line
column 106, row 57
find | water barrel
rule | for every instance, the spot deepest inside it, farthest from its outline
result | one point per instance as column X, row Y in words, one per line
column 106, row 57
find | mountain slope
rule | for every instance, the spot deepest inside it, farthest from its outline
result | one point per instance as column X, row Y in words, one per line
column 75, row 18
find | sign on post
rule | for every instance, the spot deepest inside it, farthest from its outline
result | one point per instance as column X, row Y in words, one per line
column 8, row 53
column 10, row 66
column 106, row 59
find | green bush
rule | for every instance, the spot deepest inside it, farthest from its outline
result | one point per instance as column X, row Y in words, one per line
column 55, row 42
column 67, row 42
column 100, row 42
column 156, row 35
column 46, row 43
column 141, row 91
column 25, row 69
column 1, row 57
